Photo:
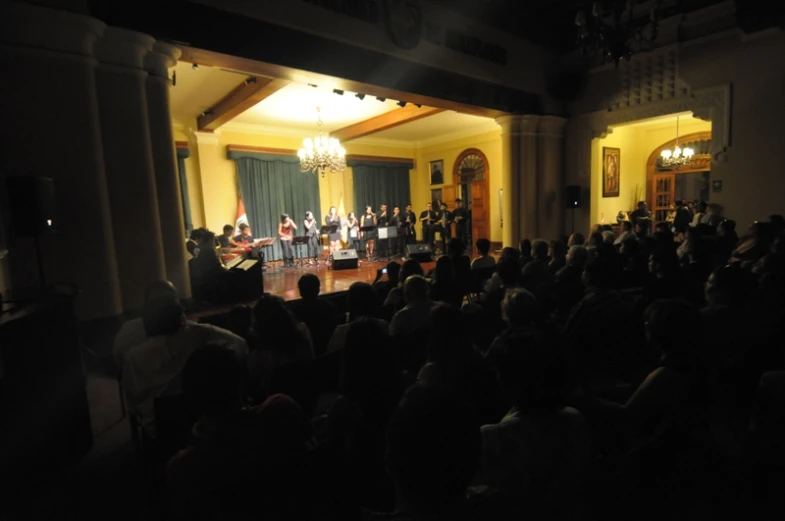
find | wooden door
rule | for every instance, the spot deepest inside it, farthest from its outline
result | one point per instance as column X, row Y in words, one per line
column 480, row 212
column 664, row 195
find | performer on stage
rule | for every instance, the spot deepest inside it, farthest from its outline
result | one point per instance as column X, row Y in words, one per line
column 312, row 232
column 444, row 220
column 368, row 219
column 353, row 231
column 383, row 221
column 245, row 238
column 408, row 222
column 461, row 218
column 428, row 219
column 397, row 221
column 334, row 238
column 286, row 230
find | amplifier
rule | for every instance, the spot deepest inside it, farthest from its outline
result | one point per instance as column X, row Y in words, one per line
column 419, row 252
column 345, row 260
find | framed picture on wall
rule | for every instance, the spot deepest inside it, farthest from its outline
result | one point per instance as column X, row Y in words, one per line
column 436, row 197
column 437, row 172
column 611, row 171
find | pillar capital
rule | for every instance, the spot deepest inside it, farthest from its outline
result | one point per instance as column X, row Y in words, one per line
column 162, row 58
column 207, row 138
column 523, row 124
column 124, row 48
column 28, row 25
column 552, row 126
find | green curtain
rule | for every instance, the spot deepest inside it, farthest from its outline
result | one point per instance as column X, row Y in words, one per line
column 272, row 187
column 377, row 183
column 183, row 153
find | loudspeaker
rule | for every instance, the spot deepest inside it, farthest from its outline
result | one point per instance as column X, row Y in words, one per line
column 572, row 197
column 345, row 259
column 419, row 252
column 32, row 206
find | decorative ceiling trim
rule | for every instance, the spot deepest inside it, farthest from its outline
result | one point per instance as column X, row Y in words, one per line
column 474, row 130
column 261, row 150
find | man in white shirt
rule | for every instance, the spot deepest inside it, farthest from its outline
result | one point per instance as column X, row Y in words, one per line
column 153, row 367
column 484, row 260
column 416, row 315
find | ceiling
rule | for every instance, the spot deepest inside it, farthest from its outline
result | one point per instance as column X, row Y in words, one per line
column 550, row 23
column 199, row 89
column 292, row 109
column 669, row 121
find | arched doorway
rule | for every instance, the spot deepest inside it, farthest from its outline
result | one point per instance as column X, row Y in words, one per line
column 471, row 174
column 666, row 185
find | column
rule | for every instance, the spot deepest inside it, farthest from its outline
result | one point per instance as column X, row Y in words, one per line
column 49, row 108
column 551, row 177
column 122, row 102
column 519, row 178
column 167, row 181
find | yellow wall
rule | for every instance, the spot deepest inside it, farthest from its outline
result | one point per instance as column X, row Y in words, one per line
column 489, row 143
column 636, row 143
column 192, row 173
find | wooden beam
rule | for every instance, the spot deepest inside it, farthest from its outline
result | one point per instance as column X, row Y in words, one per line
column 379, row 159
column 243, row 97
column 261, row 150
column 384, row 121
column 247, row 66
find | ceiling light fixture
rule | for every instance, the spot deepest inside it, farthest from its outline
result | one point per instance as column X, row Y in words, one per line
column 381, row 99
column 617, row 34
column 338, row 91
column 361, row 96
column 676, row 157
column 322, row 153
column 401, row 104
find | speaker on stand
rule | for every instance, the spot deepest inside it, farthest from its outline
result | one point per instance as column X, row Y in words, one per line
column 572, row 200
column 32, row 207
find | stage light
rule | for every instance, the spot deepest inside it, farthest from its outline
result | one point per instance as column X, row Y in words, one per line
column 381, row 99
column 360, row 96
column 418, row 105
column 312, row 85
column 248, row 81
column 195, row 66
column 401, row 104
column 338, row 91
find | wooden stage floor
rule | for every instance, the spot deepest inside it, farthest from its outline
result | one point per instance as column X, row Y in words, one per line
column 283, row 282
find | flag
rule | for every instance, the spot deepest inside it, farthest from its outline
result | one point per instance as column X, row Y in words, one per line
column 241, row 216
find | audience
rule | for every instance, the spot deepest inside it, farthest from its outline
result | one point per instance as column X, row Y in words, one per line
column 632, row 377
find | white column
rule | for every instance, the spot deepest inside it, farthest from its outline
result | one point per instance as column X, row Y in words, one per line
column 122, row 100
column 167, row 180
column 551, row 177
column 51, row 116
column 519, row 177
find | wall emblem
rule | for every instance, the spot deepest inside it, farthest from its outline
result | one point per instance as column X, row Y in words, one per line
column 404, row 22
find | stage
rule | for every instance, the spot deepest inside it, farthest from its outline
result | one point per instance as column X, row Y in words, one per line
column 282, row 281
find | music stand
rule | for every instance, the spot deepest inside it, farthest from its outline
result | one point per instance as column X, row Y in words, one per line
column 265, row 243
column 387, row 233
column 297, row 242
column 365, row 230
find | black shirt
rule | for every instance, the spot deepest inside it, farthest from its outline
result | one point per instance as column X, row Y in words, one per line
column 427, row 213
column 463, row 214
column 223, row 240
column 383, row 220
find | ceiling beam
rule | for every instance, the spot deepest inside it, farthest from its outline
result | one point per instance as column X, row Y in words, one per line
column 253, row 90
column 384, row 121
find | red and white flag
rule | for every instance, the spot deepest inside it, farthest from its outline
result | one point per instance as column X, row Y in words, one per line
column 241, row 216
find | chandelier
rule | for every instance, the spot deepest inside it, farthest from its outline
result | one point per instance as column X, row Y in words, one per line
column 616, row 35
column 677, row 156
column 322, row 153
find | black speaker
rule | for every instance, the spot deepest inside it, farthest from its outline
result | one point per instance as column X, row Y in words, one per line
column 345, row 259
column 32, row 206
column 572, row 197
column 419, row 252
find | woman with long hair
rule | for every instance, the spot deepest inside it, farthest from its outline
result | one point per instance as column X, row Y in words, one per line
column 312, row 232
column 368, row 219
column 353, row 231
column 331, row 219
column 286, row 230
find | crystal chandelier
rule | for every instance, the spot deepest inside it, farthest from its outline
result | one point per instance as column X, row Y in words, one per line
column 618, row 34
column 677, row 156
column 322, row 153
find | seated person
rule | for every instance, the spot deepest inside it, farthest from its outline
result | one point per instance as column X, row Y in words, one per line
column 245, row 238
column 485, row 260
column 208, row 273
column 153, row 367
column 318, row 314
column 192, row 244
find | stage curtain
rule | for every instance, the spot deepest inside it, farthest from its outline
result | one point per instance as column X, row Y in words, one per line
column 381, row 183
column 272, row 187
column 182, row 154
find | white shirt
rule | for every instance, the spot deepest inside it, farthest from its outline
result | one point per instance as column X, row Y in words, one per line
column 153, row 367
column 131, row 333
column 484, row 261
column 413, row 317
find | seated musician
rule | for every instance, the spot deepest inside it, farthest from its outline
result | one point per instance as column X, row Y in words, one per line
column 246, row 240
column 226, row 241
column 208, row 273
column 192, row 244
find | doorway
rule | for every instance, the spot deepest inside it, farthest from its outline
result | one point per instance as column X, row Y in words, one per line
column 470, row 183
